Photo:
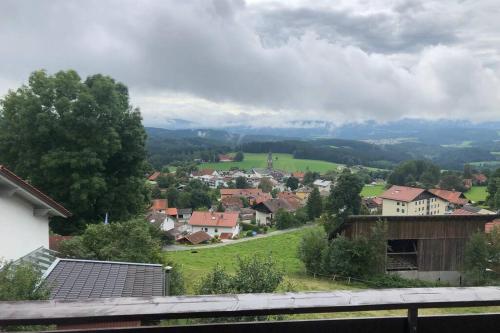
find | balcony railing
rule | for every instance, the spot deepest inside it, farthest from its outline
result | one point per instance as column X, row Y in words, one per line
column 127, row 310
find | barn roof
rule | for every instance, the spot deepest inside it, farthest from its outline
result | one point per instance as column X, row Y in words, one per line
column 214, row 219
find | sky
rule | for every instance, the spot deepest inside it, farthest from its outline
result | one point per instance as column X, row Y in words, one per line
column 268, row 63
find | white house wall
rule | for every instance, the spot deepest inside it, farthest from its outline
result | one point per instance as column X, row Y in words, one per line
column 20, row 231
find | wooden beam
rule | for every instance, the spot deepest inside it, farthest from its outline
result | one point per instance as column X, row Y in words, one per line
column 172, row 307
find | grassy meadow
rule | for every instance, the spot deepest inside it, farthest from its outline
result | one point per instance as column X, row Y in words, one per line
column 284, row 162
column 372, row 190
column 283, row 248
column 476, row 193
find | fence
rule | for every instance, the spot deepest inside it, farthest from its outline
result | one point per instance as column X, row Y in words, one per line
column 123, row 310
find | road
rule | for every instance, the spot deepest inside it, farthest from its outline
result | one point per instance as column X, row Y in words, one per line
column 172, row 248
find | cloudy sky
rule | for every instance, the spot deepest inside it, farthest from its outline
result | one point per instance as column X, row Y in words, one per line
column 268, row 63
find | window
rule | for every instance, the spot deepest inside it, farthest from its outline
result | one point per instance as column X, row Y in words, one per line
column 397, row 210
column 403, row 204
column 402, row 210
column 397, row 203
column 215, row 230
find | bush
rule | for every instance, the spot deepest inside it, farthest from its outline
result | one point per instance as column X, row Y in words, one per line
column 20, row 282
column 249, row 233
column 247, row 226
column 133, row 241
column 285, row 220
column 312, row 245
column 395, row 281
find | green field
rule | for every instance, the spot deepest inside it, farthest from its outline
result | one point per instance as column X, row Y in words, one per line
column 372, row 190
column 282, row 247
column 476, row 193
column 284, row 162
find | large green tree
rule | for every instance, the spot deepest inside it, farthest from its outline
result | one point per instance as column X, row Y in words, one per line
column 314, row 204
column 415, row 173
column 79, row 141
column 344, row 198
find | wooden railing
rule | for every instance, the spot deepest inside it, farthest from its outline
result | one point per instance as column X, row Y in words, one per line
column 62, row 312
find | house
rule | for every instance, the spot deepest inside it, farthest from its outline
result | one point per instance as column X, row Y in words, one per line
column 265, row 211
column 164, row 221
column 323, row 186
column 292, row 198
column 454, row 199
column 184, row 214
column 373, row 205
column 24, row 216
column 254, row 195
column 404, row 200
column 154, row 176
column 427, row 247
column 159, row 206
column 215, row 223
column 479, row 179
column 299, row 175
column 225, row 158
column 74, row 279
column 232, row 203
column 195, row 238
column 303, row 193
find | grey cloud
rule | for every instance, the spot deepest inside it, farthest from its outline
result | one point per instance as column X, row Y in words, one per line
column 328, row 64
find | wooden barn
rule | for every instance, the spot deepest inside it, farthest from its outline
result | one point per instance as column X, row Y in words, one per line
column 429, row 247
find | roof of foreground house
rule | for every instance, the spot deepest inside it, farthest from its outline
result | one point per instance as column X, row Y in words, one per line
column 196, row 237
column 214, row 219
column 30, row 193
column 402, row 193
column 273, row 205
column 82, row 279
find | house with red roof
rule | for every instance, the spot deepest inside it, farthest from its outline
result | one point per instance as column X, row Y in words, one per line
column 215, row 223
column 225, row 158
column 25, row 212
column 405, row 200
column 454, row 199
column 154, row 176
column 254, row 195
column 159, row 206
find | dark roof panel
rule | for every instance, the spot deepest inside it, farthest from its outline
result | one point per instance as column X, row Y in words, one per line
column 77, row 279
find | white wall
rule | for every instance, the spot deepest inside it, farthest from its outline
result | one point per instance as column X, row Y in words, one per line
column 211, row 230
column 261, row 218
column 20, row 231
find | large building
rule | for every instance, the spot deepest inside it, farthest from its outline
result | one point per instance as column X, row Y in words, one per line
column 224, row 225
column 422, row 247
column 24, row 216
column 411, row 201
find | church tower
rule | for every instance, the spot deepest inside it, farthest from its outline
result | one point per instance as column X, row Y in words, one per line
column 270, row 160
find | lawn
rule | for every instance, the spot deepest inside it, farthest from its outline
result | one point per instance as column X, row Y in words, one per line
column 284, row 162
column 372, row 190
column 477, row 193
column 282, row 247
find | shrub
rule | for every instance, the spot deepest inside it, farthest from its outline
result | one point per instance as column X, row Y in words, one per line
column 312, row 245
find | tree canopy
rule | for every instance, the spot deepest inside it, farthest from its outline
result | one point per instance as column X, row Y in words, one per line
column 415, row 173
column 81, row 142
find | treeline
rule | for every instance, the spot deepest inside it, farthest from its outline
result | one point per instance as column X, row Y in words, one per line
column 332, row 150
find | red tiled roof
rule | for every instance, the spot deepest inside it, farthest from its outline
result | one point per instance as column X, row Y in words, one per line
column 154, row 176
column 402, row 193
column 9, row 175
column 172, row 211
column 214, row 219
column 377, row 200
column 55, row 241
column 159, row 204
column 243, row 192
column 480, row 177
column 225, row 158
column 462, row 211
column 453, row 197
column 232, row 201
column 298, row 175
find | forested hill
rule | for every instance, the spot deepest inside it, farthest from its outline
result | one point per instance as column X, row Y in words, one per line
column 167, row 146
